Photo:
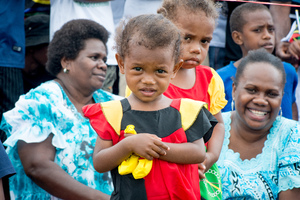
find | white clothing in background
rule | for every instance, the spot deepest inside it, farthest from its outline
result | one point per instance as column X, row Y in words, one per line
column 63, row 11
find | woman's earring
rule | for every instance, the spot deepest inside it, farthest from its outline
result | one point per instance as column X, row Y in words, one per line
column 280, row 112
column 66, row 70
column 232, row 105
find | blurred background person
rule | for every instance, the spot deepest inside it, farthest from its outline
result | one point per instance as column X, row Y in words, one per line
column 12, row 54
column 37, row 41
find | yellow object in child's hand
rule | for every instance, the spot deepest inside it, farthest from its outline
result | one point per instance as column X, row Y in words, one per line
column 142, row 169
column 139, row 167
column 128, row 165
column 130, row 129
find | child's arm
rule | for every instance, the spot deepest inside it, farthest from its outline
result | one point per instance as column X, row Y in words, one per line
column 214, row 144
column 185, row 153
column 107, row 156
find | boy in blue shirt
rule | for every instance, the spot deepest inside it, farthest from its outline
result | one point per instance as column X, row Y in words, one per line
column 252, row 28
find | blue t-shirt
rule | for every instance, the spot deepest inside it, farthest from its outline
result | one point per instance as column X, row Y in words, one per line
column 227, row 73
column 12, row 34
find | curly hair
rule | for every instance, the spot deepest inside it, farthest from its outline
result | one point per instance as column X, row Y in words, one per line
column 259, row 56
column 169, row 8
column 151, row 31
column 70, row 40
column 237, row 18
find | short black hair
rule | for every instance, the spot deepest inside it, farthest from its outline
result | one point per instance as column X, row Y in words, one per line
column 150, row 31
column 237, row 19
column 70, row 40
column 259, row 56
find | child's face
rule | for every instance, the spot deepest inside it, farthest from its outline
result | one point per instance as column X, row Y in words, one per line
column 258, row 32
column 196, row 33
column 148, row 72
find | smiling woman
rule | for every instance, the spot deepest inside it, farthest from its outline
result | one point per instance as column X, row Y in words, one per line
column 50, row 142
column 260, row 156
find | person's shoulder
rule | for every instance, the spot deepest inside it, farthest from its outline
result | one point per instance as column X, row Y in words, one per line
column 289, row 67
column 288, row 121
column 227, row 71
column 226, row 68
column 226, row 115
column 290, row 72
column 203, row 68
column 286, row 124
column 49, row 89
column 103, row 96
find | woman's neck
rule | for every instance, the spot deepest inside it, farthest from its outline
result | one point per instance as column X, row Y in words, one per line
column 77, row 98
column 185, row 78
column 249, row 143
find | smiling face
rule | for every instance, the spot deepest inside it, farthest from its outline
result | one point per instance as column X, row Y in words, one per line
column 196, row 33
column 258, row 95
column 148, row 72
column 258, row 32
column 88, row 70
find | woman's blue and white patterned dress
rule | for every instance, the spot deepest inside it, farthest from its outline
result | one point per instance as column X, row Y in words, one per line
column 47, row 110
column 276, row 169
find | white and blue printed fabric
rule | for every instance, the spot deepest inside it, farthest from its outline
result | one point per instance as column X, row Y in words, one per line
column 47, row 110
column 276, row 169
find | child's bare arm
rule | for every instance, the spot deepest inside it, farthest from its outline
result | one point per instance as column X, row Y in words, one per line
column 107, row 156
column 185, row 153
column 214, row 145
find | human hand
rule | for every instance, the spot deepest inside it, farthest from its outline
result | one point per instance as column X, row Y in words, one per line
column 205, row 165
column 201, row 170
column 282, row 50
column 147, row 145
column 294, row 49
column 209, row 161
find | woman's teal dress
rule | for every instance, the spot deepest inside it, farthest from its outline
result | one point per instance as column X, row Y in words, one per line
column 47, row 110
column 276, row 169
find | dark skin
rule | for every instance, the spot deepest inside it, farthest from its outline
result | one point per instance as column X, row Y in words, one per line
column 256, row 92
column 1, row 189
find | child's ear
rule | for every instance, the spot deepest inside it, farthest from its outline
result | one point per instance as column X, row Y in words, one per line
column 237, row 37
column 120, row 62
column 177, row 67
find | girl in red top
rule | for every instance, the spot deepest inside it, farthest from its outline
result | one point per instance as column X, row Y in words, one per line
column 196, row 22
